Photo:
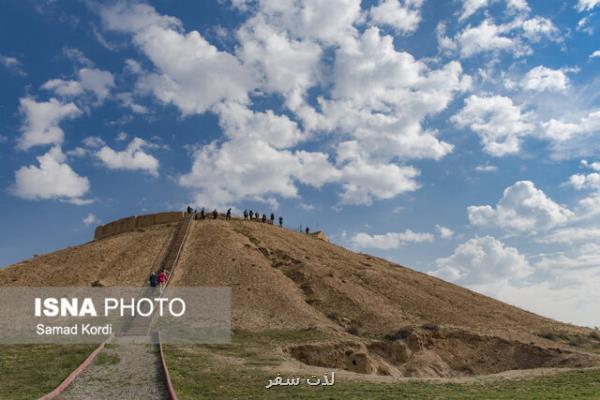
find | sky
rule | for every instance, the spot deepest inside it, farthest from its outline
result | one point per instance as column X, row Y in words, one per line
column 459, row 138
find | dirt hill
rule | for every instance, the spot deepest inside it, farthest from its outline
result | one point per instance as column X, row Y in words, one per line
column 380, row 318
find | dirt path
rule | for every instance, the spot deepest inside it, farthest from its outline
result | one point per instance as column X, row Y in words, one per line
column 122, row 371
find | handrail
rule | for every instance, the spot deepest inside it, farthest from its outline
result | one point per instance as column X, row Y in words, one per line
column 170, row 387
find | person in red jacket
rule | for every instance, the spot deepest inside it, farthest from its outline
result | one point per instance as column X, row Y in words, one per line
column 162, row 278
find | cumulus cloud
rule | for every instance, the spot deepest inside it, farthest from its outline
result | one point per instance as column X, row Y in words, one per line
column 41, row 121
column 537, row 28
column 484, row 38
column 444, row 232
column 379, row 96
column 241, row 169
column 587, row 5
column 51, row 179
column 587, row 181
column 595, row 54
column 499, row 123
column 564, row 130
column 190, row 72
column 403, row 16
column 364, row 181
column 239, row 122
column 12, row 64
column 542, row 78
column 523, row 207
column 91, row 219
column 95, row 81
column 390, row 240
column 514, row 37
column 470, row 7
column 517, row 5
column 134, row 157
column 482, row 260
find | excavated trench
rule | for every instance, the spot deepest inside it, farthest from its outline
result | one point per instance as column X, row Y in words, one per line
column 435, row 353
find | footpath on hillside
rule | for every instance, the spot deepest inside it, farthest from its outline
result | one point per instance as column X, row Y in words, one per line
column 124, row 370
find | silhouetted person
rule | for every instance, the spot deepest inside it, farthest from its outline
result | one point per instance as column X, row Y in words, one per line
column 228, row 215
column 202, row 213
column 272, row 218
column 264, row 218
column 215, row 214
column 281, row 222
column 307, row 230
column 251, row 214
column 189, row 210
column 245, row 214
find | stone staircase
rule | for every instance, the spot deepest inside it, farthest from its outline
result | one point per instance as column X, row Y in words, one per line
column 141, row 326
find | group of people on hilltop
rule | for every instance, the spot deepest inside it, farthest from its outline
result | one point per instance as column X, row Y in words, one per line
column 249, row 215
column 256, row 216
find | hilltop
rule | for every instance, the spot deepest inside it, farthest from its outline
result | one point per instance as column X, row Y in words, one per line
column 372, row 316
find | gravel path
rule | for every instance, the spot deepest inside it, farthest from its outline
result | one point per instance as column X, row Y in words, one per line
column 136, row 375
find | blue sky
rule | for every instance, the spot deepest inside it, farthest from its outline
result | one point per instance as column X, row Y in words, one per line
column 459, row 138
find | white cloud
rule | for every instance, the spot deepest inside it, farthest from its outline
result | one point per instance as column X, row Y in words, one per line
column 573, row 235
column 364, row 181
column 484, row 38
column 403, row 16
column 282, row 63
column 537, row 28
column 93, row 141
column 587, row 5
column 542, row 78
column 390, row 240
column 132, row 158
column 482, row 260
column 41, row 121
column 77, row 57
column 91, row 219
column 330, row 22
column 378, row 97
column 127, row 100
column 592, row 165
column 595, row 54
column 63, row 88
column 246, row 169
column 589, row 181
column 97, row 81
column 444, row 232
column 92, row 80
column 561, row 130
column 77, row 152
column 12, row 64
column 523, row 207
column 518, row 5
column 190, row 72
column 239, row 122
column 52, row 179
column 499, row 123
column 561, row 285
column 470, row 7
column 486, row 168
